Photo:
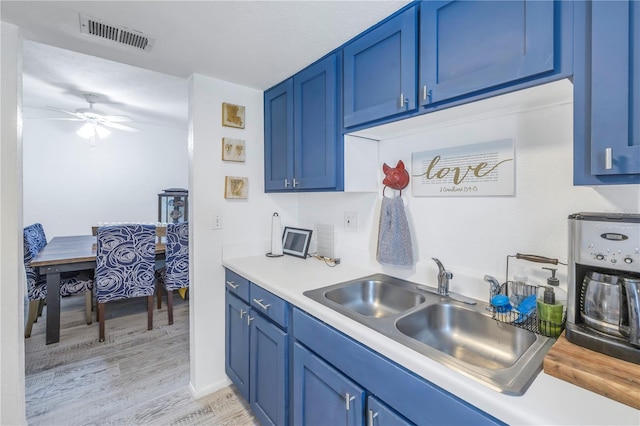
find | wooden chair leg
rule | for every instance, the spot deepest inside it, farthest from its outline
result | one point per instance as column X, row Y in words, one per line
column 40, row 308
column 33, row 316
column 159, row 294
column 150, row 312
column 170, row 306
column 101, row 321
column 88, row 303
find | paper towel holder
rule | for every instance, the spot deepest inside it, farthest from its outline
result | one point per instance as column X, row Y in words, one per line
column 276, row 239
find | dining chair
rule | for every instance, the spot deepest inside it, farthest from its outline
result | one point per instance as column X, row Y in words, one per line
column 125, row 265
column 175, row 274
column 72, row 283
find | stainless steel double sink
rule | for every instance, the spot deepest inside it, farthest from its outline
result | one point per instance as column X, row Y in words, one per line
column 460, row 336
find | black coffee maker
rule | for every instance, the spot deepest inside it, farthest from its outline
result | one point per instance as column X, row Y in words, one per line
column 603, row 305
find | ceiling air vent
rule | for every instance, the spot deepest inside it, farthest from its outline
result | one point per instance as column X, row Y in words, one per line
column 121, row 35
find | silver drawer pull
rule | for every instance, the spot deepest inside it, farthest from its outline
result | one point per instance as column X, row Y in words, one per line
column 263, row 306
column 232, row 285
column 348, row 398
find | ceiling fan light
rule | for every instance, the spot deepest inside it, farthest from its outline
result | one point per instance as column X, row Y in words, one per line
column 87, row 131
column 102, row 131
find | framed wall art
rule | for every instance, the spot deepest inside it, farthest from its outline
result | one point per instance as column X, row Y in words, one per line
column 236, row 187
column 233, row 115
column 233, row 150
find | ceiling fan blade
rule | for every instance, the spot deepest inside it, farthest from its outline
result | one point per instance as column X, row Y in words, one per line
column 119, row 126
column 80, row 116
column 117, row 118
column 56, row 118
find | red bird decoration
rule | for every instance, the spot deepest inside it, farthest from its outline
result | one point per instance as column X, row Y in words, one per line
column 395, row 177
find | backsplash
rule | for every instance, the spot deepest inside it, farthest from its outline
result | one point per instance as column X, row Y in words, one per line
column 473, row 235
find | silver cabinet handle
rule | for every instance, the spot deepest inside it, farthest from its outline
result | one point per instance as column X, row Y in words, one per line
column 242, row 312
column 403, row 100
column 347, row 399
column 263, row 306
column 295, row 182
column 249, row 319
column 286, row 183
column 371, row 416
column 424, row 92
column 608, row 159
column 232, row 285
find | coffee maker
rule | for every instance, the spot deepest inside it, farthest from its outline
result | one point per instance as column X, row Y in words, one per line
column 603, row 304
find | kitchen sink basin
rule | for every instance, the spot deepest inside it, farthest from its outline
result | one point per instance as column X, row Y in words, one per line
column 459, row 335
column 467, row 335
column 374, row 298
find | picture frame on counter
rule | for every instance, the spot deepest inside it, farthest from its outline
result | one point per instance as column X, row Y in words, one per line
column 295, row 241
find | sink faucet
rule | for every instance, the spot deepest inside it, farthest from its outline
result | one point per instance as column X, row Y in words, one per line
column 494, row 288
column 443, row 278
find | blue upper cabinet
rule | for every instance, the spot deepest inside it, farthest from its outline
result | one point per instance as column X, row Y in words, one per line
column 315, row 126
column 302, row 152
column 278, row 136
column 471, row 46
column 380, row 71
column 607, row 95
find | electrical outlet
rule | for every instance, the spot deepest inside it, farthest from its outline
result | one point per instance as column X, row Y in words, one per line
column 217, row 220
column 350, row 221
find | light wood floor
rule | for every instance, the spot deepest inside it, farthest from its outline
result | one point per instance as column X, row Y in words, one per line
column 135, row 377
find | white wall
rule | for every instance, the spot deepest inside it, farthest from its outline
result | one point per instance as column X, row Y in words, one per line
column 246, row 223
column 12, row 404
column 69, row 186
column 472, row 236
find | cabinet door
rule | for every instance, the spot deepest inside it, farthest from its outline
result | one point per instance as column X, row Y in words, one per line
column 469, row 46
column 321, row 394
column 615, row 88
column 237, row 343
column 315, row 127
column 269, row 372
column 379, row 414
column 380, row 71
column 278, row 137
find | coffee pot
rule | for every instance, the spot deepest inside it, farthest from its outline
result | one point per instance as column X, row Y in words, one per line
column 609, row 304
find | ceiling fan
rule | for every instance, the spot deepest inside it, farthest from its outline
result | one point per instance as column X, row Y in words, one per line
column 96, row 123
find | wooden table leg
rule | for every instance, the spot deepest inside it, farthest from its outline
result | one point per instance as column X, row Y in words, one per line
column 53, row 306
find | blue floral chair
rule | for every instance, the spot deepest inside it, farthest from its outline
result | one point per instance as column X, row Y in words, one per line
column 70, row 284
column 175, row 274
column 125, row 265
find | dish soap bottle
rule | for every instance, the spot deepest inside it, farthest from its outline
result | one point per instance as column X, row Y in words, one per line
column 551, row 307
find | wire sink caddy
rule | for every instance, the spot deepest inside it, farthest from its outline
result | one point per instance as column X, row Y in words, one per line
column 524, row 295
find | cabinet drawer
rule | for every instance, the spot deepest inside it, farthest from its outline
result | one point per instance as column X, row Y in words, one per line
column 269, row 305
column 237, row 285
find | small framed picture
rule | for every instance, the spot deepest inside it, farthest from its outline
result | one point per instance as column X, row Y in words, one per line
column 295, row 241
column 233, row 150
column 233, row 115
column 236, row 187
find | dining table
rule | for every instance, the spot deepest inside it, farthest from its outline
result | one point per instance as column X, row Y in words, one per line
column 69, row 254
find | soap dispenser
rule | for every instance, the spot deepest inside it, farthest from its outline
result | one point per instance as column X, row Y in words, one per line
column 551, row 307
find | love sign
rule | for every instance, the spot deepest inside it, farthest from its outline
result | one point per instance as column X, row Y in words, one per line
column 483, row 169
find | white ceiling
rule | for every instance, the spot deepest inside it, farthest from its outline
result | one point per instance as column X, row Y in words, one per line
column 251, row 43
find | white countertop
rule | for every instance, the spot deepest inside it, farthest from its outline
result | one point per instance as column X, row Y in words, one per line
column 548, row 401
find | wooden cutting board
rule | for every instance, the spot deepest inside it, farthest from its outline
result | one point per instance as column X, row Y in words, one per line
column 599, row 373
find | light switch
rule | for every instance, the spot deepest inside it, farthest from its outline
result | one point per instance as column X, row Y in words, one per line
column 217, row 220
column 350, row 221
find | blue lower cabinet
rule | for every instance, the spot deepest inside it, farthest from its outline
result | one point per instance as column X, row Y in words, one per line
column 322, row 395
column 380, row 414
column 412, row 398
column 257, row 351
column 269, row 375
column 237, row 343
